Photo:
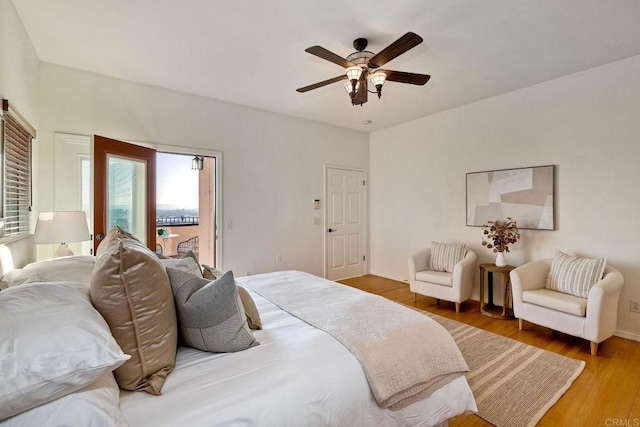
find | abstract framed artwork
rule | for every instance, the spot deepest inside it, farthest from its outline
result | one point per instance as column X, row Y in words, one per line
column 524, row 194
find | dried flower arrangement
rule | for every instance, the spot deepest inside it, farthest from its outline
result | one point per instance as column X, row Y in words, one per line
column 498, row 235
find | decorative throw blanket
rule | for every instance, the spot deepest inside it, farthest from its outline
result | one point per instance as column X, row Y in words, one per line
column 405, row 355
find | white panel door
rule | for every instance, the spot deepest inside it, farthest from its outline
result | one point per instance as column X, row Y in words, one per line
column 345, row 224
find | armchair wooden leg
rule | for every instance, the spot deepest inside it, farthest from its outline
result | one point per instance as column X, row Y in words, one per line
column 594, row 348
column 437, row 301
column 521, row 324
column 457, row 307
column 415, row 297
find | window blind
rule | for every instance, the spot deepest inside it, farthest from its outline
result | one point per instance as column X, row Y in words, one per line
column 16, row 135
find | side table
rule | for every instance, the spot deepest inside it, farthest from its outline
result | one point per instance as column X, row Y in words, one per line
column 164, row 242
column 489, row 308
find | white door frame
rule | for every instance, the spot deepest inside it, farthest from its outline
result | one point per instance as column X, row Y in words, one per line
column 68, row 149
column 365, row 234
column 62, row 138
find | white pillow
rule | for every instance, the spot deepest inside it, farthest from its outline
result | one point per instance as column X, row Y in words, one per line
column 97, row 404
column 445, row 256
column 574, row 275
column 52, row 343
column 71, row 269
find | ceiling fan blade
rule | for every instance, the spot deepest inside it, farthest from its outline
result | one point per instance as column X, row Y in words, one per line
column 411, row 78
column 329, row 56
column 320, row 84
column 395, row 49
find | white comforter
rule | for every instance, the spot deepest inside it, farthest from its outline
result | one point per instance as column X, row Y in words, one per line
column 297, row 376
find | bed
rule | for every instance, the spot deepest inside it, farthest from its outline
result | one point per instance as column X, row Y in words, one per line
column 298, row 375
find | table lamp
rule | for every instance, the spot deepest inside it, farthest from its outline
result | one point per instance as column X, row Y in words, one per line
column 62, row 227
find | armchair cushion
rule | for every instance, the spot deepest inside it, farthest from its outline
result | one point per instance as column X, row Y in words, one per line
column 437, row 277
column 574, row 275
column 558, row 301
column 444, row 256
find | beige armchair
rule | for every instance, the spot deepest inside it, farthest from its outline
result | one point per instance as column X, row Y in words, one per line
column 593, row 318
column 455, row 287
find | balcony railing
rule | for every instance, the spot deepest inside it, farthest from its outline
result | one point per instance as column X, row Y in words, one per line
column 171, row 221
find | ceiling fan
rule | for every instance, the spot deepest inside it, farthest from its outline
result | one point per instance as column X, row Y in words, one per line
column 362, row 66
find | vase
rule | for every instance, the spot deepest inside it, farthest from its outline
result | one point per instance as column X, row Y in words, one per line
column 500, row 260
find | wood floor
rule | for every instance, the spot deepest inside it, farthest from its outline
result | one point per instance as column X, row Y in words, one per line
column 607, row 393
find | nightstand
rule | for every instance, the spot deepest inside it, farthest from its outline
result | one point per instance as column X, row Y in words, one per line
column 489, row 308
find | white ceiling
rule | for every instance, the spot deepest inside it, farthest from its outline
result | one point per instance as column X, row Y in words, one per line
column 251, row 52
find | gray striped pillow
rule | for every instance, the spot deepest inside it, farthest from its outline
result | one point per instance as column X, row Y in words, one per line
column 444, row 256
column 574, row 275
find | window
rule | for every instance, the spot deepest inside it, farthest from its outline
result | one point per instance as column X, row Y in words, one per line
column 17, row 134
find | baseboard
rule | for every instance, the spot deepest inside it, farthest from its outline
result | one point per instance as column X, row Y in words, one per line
column 397, row 279
column 627, row 335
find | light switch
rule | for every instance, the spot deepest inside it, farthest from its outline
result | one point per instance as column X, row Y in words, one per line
column 317, row 221
column 316, row 203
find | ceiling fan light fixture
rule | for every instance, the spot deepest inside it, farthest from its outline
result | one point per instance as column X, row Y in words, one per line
column 348, row 86
column 353, row 75
column 377, row 80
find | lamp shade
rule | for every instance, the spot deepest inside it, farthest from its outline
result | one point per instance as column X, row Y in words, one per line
column 62, row 226
column 354, row 73
column 378, row 78
column 349, row 87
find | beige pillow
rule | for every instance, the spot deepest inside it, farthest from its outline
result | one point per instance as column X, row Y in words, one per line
column 211, row 273
column 253, row 317
column 131, row 290
column 250, row 309
column 574, row 275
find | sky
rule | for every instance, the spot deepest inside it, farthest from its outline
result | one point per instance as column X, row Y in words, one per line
column 176, row 183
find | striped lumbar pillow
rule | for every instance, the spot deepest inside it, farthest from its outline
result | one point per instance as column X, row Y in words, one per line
column 444, row 256
column 574, row 275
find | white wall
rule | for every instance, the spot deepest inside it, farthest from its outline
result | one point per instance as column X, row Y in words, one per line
column 587, row 124
column 272, row 164
column 18, row 68
column 18, row 64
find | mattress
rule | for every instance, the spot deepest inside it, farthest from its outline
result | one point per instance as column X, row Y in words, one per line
column 297, row 376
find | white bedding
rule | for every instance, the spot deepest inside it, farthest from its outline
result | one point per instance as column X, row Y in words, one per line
column 76, row 268
column 297, row 376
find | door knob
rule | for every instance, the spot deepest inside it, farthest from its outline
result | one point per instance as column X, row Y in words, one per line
column 331, row 230
column 99, row 236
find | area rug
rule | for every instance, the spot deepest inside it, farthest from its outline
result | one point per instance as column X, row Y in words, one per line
column 514, row 384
